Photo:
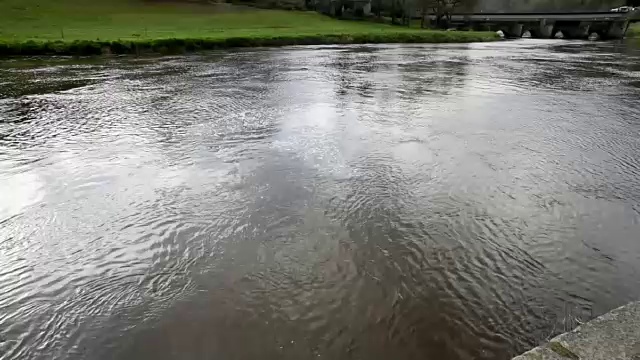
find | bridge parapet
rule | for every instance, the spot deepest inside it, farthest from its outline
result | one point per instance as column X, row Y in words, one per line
column 608, row 25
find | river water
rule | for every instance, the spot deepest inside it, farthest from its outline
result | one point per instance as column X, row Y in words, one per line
column 351, row 202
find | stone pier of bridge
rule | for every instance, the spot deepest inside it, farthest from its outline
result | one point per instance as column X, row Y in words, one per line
column 545, row 29
column 607, row 25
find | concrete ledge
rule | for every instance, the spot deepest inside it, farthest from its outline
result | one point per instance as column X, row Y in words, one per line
column 612, row 336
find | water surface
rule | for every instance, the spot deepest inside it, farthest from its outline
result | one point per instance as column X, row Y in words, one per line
column 352, row 202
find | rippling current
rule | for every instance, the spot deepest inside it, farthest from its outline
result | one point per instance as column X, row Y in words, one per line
column 358, row 202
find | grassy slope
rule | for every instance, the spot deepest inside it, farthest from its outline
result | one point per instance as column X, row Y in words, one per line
column 634, row 30
column 143, row 21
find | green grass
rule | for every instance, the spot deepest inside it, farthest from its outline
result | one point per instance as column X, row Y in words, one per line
column 634, row 30
column 561, row 350
column 130, row 26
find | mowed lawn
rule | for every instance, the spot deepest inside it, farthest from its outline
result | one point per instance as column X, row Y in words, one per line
column 634, row 30
column 69, row 20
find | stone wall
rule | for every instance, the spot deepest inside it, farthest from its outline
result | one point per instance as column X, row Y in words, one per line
column 612, row 336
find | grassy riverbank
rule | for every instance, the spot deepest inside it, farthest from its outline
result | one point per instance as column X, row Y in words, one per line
column 634, row 30
column 84, row 27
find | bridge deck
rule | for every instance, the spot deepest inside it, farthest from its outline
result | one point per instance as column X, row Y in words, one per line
column 572, row 16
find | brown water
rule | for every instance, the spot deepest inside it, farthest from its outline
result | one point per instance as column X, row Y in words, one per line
column 356, row 202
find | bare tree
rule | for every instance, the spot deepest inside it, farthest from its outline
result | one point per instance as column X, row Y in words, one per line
column 440, row 11
column 406, row 12
column 450, row 8
column 425, row 7
column 443, row 10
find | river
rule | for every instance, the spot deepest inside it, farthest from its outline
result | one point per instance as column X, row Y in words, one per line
column 351, row 202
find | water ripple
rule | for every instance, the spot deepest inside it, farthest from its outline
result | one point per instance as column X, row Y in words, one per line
column 379, row 201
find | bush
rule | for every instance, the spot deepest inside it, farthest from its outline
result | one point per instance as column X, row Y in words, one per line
column 84, row 48
column 31, row 47
column 55, row 47
column 5, row 49
column 120, row 47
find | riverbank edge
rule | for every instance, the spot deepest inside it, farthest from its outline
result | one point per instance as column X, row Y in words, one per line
column 185, row 45
column 614, row 335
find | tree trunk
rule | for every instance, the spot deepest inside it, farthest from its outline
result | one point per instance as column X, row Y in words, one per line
column 436, row 13
column 405, row 12
column 403, row 18
column 393, row 11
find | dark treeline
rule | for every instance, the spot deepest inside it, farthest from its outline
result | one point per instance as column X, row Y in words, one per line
column 545, row 5
column 473, row 5
column 401, row 7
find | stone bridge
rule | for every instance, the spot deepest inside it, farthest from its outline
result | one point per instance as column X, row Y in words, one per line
column 573, row 25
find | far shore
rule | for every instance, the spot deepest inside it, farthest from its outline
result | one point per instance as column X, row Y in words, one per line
column 178, row 46
column 77, row 27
